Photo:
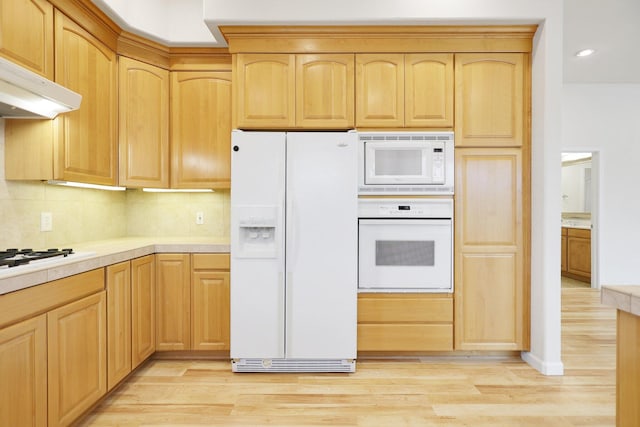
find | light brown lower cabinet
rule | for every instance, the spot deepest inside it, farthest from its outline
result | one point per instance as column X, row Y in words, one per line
column 130, row 316
column 627, row 369
column 143, row 309
column 578, row 254
column 405, row 322
column 173, row 302
column 77, row 362
column 23, row 373
column 563, row 250
column 210, row 302
column 118, row 322
column 192, row 302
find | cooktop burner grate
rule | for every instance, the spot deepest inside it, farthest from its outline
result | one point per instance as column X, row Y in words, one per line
column 16, row 257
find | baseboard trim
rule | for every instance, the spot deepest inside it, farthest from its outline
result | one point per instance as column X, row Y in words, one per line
column 545, row 368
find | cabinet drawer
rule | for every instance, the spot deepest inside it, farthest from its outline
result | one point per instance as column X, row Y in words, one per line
column 405, row 337
column 579, row 232
column 413, row 308
column 28, row 302
column 210, row 261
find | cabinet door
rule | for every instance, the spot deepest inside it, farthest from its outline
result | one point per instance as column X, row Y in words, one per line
column 200, row 129
column 77, row 362
column 23, row 369
column 324, row 91
column 563, row 252
column 143, row 124
column 143, row 309
column 579, row 252
column 490, row 296
column 429, row 90
column 87, row 148
column 265, row 90
column 380, row 90
column 489, row 99
column 26, row 34
column 118, row 322
column 210, row 301
column 173, row 303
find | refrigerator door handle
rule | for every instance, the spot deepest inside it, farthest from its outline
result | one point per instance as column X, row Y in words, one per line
column 288, row 324
column 282, row 314
column 292, row 235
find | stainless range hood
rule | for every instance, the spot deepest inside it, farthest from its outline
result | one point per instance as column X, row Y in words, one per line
column 27, row 95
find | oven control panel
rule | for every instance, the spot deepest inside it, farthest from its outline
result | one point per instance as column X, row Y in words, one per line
column 405, row 208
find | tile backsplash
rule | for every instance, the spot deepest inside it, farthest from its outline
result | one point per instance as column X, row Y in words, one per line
column 174, row 214
column 81, row 215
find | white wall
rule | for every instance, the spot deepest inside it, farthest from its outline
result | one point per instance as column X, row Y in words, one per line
column 605, row 118
column 546, row 114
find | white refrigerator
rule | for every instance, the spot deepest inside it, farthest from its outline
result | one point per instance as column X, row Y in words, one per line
column 293, row 251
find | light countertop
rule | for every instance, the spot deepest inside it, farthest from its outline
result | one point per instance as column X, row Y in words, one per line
column 101, row 253
column 625, row 298
column 576, row 223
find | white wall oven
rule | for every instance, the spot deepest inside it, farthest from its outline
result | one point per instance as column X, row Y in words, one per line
column 405, row 162
column 405, row 245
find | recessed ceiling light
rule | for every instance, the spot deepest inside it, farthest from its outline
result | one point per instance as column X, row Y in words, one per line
column 585, row 52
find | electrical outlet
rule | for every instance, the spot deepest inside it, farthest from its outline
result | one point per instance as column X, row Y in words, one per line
column 46, row 221
column 199, row 218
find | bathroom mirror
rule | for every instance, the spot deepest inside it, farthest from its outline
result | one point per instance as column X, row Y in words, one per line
column 576, row 182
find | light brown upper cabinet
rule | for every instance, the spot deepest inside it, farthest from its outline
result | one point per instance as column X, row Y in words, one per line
column 87, row 137
column 380, row 90
column 285, row 91
column 428, row 87
column 200, row 129
column 143, row 125
column 324, row 91
column 491, row 293
column 26, row 34
column 77, row 146
column 404, row 90
column 265, row 90
column 490, row 93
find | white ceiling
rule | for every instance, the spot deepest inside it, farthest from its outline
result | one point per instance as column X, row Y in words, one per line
column 612, row 27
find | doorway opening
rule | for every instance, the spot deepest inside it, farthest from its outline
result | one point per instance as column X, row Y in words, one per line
column 579, row 229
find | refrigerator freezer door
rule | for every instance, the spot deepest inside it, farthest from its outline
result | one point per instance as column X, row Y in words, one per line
column 321, row 248
column 257, row 250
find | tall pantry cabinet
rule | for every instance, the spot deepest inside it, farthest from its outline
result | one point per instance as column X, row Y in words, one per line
column 491, row 209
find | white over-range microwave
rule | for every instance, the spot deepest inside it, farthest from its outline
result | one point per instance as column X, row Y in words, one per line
column 405, row 163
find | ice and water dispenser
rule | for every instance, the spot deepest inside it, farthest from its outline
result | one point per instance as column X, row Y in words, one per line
column 257, row 228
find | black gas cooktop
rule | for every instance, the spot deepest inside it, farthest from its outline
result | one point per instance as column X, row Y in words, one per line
column 15, row 257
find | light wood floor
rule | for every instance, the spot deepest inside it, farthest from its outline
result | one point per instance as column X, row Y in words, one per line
column 419, row 392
